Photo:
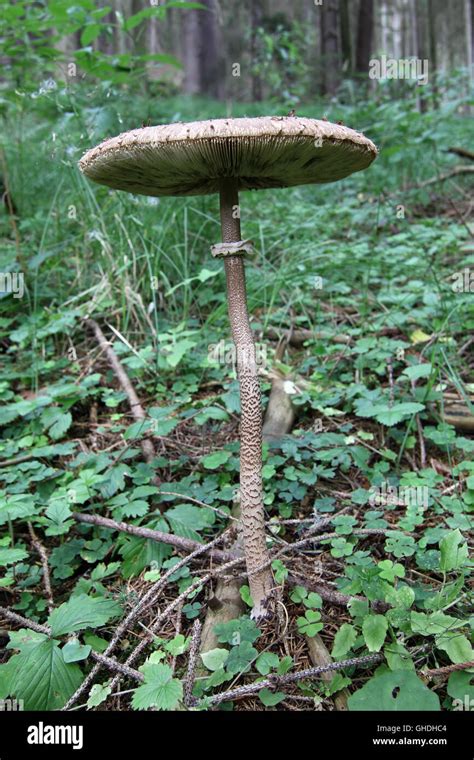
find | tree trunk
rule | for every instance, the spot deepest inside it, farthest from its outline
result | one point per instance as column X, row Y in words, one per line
column 468, row 11
column 256, row 16
column 418, row 47
column 346, row 41
column 365, row 34
column 210, row 60
column 330, row 46
column 191, row 62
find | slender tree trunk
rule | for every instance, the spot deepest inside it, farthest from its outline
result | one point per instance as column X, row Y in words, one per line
column 209, row 56
column 256, row 16
column 433, row 58
column 365, row 35
column 191, row 58
column 330, row 46
column 346, row 40
column 468, row 13
column 418, row 46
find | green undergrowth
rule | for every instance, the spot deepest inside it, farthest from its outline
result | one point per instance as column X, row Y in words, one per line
column 378, row 278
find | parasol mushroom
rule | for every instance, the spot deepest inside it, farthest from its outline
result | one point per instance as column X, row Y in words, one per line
column 225, row 156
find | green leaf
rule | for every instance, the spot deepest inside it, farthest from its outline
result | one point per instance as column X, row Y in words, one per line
column 41, row 677
column 98, row 694
column 160, row 689
column 403, row 597
column 374, row 629
column 418, row 370
column 461, row 686
column 298, row 594
column 90, row 33
column 240, row 658
column 236, row 631
column 10, row 556
column 137, row 429
column 207, row 274
column 344, row 640
column 454, row 551
column 435, row 624
column 214, row 659
column 392, row 692
column 58, row 511
column 392, row 415
column 73, row 651
column 313, row 601
column 176, row 351
column 245, row 595
column 271, row 698
column 177, row 645
column 309, row 625
column 456, row 645
column 62, row 423
column 82, row 612
column 398, row 658
column 187, row 519
column 213, row 461
column 389, row 571
column 266, row 662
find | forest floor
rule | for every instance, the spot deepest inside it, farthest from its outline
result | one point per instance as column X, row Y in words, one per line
column 361, row 303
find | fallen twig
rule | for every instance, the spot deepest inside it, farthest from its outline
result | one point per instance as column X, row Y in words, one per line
column 136, row 408
column 462, row 152
column 148, row 598
column 448, row 669
column 276, row 682
column 192, row 662
column 102, row 659
column 298, row 337
column 172, row 606
column 44, row 562
column 448, row 175
column 184, row 544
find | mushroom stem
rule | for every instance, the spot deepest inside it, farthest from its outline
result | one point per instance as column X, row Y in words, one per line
column 251, row 502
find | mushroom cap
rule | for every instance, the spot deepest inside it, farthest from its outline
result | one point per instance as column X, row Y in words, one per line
column 191, row 158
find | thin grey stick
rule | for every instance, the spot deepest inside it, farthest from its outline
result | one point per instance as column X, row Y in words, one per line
column 192, row 662
column 275, row 682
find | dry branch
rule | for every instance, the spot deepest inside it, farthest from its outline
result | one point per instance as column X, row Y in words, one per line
column 102, row 659
column 184, row 544
column 462, row 152
column 276, row 682
column 448, row 175
column 136, row 408
column 298, row 337
column 448, row 669
column 44, row 562
column 146, row 600
column 192, row 662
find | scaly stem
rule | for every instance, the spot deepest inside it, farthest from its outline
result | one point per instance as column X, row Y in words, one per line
column 251, row 503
